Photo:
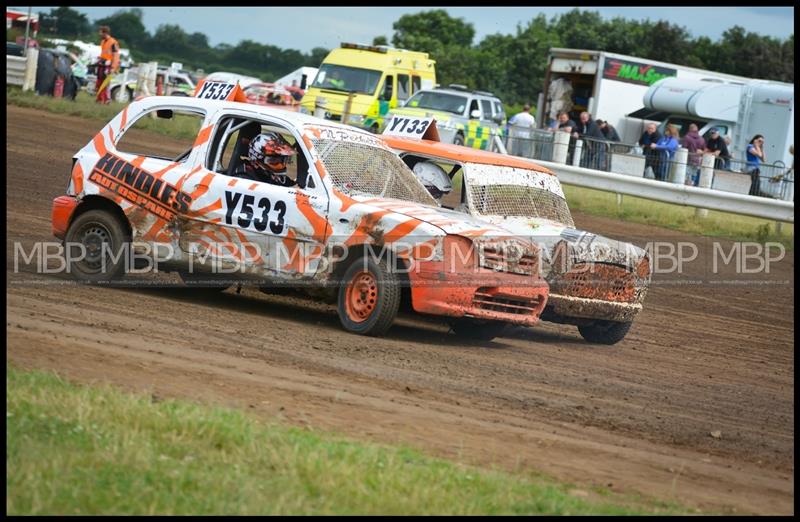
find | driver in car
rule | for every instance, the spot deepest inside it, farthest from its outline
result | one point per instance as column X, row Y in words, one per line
column 268, row 156
column 434, row 178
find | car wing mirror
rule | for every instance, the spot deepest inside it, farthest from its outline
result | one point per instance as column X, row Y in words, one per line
column 475, row 114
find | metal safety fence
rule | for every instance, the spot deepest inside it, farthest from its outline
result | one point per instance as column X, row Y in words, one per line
column 774, row 180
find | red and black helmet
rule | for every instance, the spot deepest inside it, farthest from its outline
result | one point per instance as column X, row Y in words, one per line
column 270, row 151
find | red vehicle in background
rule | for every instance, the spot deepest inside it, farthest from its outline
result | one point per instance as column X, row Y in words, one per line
column 272, row 95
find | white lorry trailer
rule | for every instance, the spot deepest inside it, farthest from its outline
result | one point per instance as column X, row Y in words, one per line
column 609, row 86
column 739, row 111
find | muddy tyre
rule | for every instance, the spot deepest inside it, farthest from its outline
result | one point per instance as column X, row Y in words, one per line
column 369, row 297
column 605, row 332
column 101, row 259
column 477, row 330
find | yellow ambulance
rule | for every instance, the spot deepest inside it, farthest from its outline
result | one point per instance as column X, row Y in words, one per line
column 379, row 77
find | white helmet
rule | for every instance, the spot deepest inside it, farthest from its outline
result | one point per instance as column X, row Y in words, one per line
column 434, row 178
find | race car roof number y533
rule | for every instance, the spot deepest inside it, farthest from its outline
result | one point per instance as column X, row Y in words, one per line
column 214, row 90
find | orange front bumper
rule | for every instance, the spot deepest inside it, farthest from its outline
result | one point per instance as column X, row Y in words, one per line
column 481, row 294
column 63, row 207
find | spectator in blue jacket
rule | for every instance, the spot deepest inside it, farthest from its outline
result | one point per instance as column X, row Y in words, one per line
column 666, row 147
column 649, row 138
column 755, row 156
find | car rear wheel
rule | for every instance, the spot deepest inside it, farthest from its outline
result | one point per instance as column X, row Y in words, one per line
column 369, row 297
column 97, row 246
column 477, row 330
column 458, row 140
column 605, row 332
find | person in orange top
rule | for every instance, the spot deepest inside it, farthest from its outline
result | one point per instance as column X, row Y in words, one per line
column 107, row 63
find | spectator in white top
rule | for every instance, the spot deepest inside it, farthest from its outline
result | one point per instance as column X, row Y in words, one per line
column 519, row 127
column 524, row 118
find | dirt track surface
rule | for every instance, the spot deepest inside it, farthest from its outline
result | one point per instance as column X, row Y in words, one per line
column 635, row 417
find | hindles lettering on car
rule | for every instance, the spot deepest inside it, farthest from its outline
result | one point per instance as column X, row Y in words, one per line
column 351, row 193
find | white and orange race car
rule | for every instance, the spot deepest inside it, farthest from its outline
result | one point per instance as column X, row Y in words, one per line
column 355, row 220
column 596, row 283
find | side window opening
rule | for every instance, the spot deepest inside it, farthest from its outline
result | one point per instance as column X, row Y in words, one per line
column 402, row 87
column 498, row 109
column 230, row 149
column 473, row 106
column 416, row 84
column 388, row 88
column 180, row 126
column 453, row 199
column 486, row 108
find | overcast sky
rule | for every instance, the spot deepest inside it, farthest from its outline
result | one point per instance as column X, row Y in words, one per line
column 303, row 28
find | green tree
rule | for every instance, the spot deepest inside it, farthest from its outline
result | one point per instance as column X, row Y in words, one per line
column 446, row 39
column 380, row 40
column 127, row 26
column 431, row 31
column 315, row 58
column 581, row 30
column 68, row 23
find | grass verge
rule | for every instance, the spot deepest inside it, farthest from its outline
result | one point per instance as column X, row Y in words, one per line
column 74, row 449
column 84, row 106
column 677, row 217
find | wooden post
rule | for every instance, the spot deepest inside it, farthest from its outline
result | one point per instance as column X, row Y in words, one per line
column 348, row 106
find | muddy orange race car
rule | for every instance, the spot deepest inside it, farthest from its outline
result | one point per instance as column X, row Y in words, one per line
column 354, row 222
column 596, row 283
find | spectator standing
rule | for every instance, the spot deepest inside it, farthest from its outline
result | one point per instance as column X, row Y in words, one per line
column 695, row 144
column 564, row 123
column 107, row 63
column 649, row 137
column 520, row 126
column 609, row 132
column 755, row 156
column 593, row 139
column 716, row 145
column 665, row 148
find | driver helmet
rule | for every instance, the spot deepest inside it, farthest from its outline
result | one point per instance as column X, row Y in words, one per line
column 271, row 152
column 434, row 178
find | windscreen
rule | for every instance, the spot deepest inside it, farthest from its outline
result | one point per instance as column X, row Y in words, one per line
column 516, row 192
column 438, row 101
column 347, row 79
column 359, row 165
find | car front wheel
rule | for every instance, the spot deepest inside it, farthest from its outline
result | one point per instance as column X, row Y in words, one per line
column 605, row 332
column 97, row 247
column 369, row 297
